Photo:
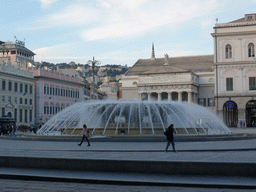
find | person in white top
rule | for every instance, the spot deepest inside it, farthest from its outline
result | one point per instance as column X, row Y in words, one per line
column 85, row 135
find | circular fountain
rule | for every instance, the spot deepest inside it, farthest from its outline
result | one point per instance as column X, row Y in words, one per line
column 135, row 117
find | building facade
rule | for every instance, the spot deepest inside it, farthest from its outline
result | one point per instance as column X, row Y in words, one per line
column 235, row 71
column 189, row 79
column 54, row 92
column 16, row 54
column 17, row 83
column 17, row 94
column 224, row 82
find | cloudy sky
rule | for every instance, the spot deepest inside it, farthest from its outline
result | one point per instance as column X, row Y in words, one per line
column 116, row 31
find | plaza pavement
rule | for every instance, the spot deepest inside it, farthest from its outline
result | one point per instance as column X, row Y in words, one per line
column 225, row 163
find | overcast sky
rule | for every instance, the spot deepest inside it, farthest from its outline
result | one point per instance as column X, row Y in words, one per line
column 116, row 31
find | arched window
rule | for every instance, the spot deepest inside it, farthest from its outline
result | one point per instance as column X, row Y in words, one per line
column 251, row 50
column 228, row 51
column 46, row 108
column 230, row 113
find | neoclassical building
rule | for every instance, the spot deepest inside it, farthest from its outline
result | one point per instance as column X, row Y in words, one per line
column 235, row 70
column 16, row 54
column 17, row 83
column 17, row 94
column 224, row 82
column 54, row 92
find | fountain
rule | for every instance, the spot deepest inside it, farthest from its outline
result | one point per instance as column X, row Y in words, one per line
column 115, row 117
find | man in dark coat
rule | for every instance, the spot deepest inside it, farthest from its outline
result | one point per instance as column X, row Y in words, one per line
column 169, row 135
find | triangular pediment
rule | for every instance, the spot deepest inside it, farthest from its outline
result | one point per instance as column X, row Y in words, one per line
column 9, row 105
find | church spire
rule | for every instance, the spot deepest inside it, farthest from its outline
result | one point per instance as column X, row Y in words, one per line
column 153, row 52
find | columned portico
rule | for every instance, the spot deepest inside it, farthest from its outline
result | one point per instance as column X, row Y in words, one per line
column 180, row 96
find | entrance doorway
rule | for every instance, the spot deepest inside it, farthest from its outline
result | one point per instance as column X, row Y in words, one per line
column 9, row 114
column 230, row 114
column 250, row 112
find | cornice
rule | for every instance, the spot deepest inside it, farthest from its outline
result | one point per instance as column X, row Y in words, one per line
column 38, row 78
column 234, row 65
column 233, row 33
column 235, row 24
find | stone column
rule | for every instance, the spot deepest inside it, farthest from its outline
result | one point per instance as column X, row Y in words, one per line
column 170, row 96
column 159, row 96
column 180, row 96
column 189, row 97
column 149, row 96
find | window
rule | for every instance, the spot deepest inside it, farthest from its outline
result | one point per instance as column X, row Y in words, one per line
column 228, row 51
column 30, row 115
column 26, row 101
column 21, row 88
column 45, row 109
column 15, row 100
column 9, row 99
column 3, row 98
column 45, row 90
column 3, row 84
column 51, row 109
column 26, row 88
column 20, row 100
column 10, row 86
column 15, row 114
column 30, row 89
column 30, row 101
column 20, row 115
column 26, row 115
column 3, row 112
column 229, row 84
column 15, row 87
column 211, row 102
column 202, row 101
column 251, row 50
column 252, row 83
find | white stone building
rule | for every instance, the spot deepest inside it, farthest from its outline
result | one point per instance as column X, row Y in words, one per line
column 235, row 70
column 224, row 82
column 17, row 94
column 17, row 83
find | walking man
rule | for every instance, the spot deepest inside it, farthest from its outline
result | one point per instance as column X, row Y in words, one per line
column 169, row 134
column 85, row 135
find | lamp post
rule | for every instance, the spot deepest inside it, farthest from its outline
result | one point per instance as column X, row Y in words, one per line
column 93, row 63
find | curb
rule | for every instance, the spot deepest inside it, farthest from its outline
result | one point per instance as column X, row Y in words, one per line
column 124, row 182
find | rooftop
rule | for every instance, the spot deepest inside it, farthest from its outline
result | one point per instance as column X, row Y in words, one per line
column 175, row 64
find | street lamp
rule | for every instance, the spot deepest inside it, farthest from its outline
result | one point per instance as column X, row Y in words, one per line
column 93, row 63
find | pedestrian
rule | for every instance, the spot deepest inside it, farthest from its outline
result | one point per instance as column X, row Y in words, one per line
column 85, row 135
column 169, row 134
